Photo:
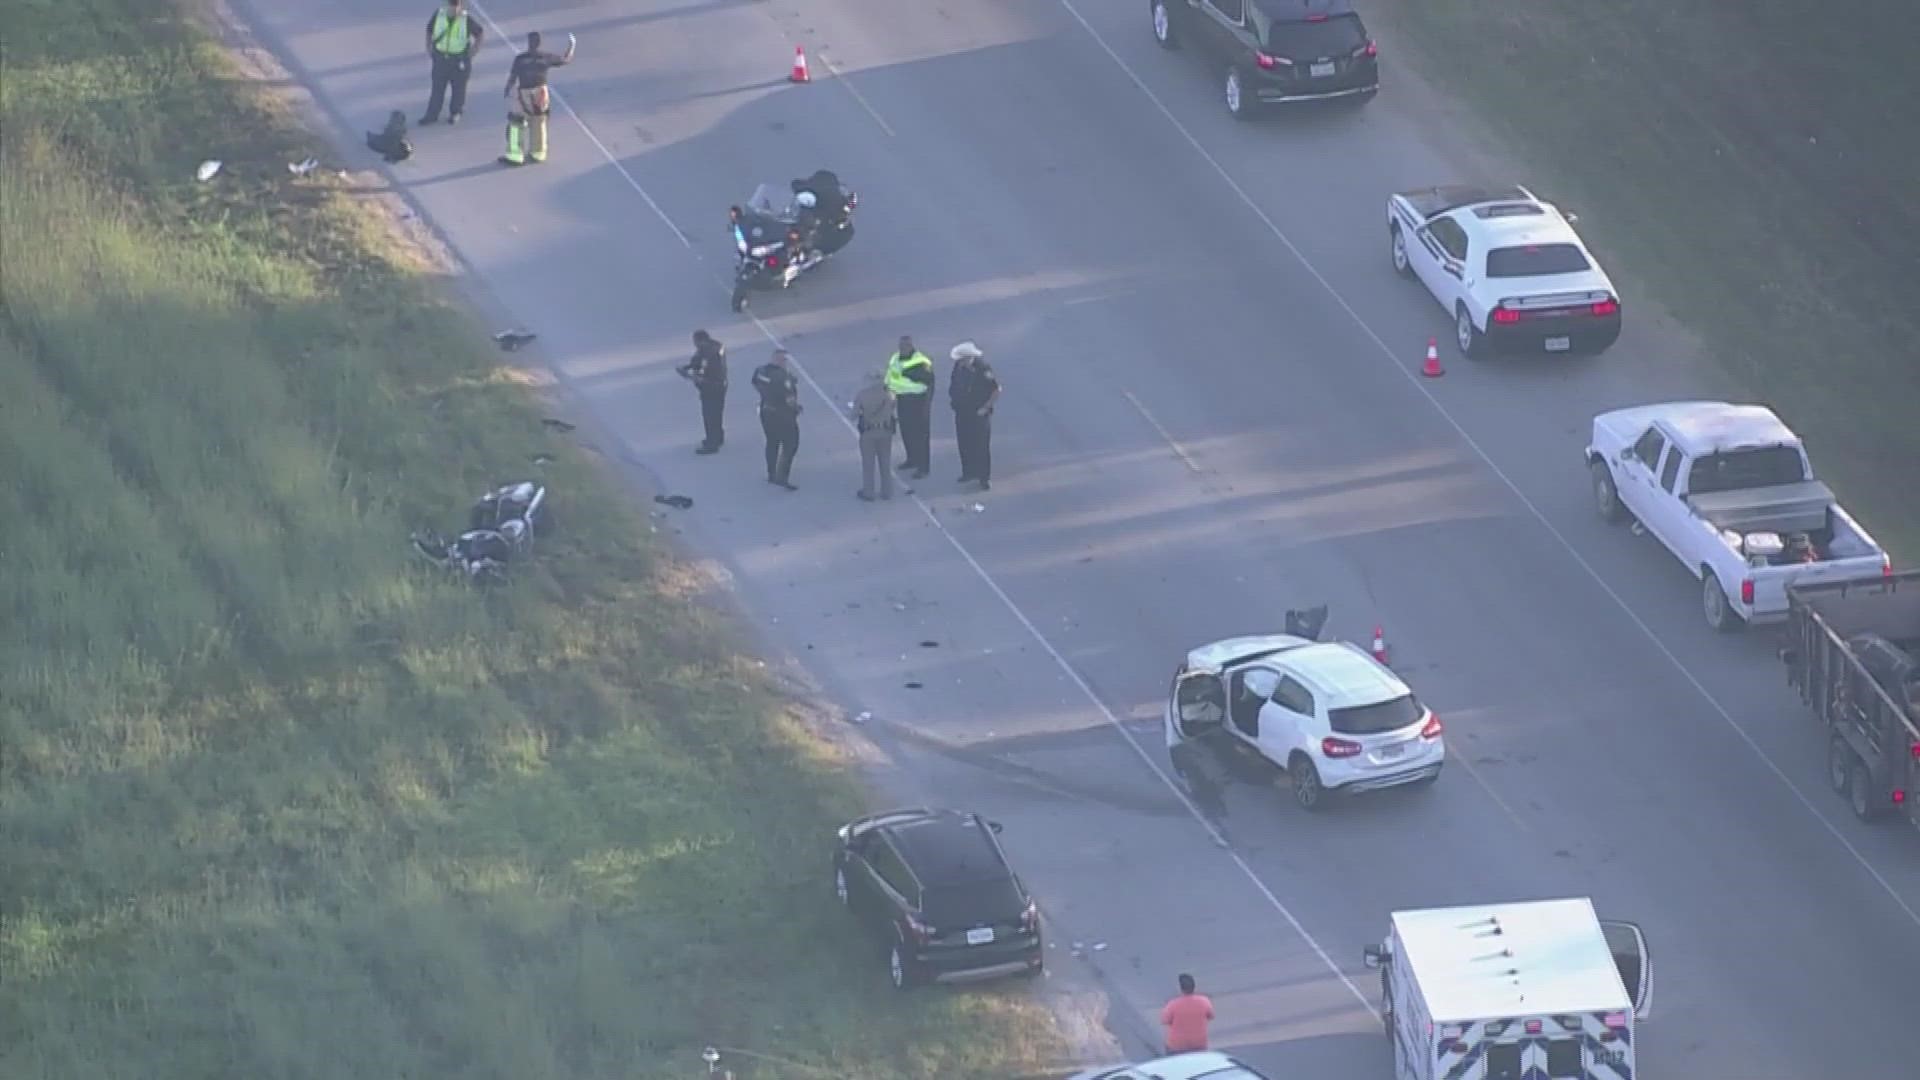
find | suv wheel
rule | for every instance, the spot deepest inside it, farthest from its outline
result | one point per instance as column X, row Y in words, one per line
column 1401, row 265
column 1307, row 788
column 1163, row 31
column 1235, row 95
column 899, row 969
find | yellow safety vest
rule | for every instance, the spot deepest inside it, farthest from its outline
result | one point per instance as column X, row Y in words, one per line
column 450, row 39
column 897, row 380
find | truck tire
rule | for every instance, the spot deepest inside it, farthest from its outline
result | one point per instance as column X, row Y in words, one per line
column 1606, row 496
column 1719, row 610
column 1839, row 766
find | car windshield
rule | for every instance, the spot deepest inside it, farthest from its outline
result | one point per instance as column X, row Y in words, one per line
column 992, row 900
column 1536, row 260
column 1336, row 36
column 1377, row 719
column 1744, row 470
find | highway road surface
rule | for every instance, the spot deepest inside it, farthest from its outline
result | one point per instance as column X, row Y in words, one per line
column 1211, row 415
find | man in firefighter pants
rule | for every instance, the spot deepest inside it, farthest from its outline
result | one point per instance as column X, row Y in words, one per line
column 527, row 87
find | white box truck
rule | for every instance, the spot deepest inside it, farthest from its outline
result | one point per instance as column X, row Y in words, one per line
column 1537, row 990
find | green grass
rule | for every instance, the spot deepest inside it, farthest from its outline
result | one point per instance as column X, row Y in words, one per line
column 1751, row 165
column 276, row 802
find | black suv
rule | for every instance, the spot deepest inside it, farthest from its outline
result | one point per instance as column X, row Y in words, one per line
column 935, row 888
column 1275, row 51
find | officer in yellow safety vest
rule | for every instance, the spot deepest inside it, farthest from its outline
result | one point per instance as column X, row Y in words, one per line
column 910, row 377
column 452, row 39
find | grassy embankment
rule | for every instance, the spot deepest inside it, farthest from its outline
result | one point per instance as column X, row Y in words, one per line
column 1751, row 165
column 276, row 802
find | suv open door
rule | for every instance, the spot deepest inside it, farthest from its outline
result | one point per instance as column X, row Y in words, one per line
column 1196, row 704
column 1629, row 948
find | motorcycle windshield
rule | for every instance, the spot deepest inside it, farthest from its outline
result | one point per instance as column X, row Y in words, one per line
column 769, row 200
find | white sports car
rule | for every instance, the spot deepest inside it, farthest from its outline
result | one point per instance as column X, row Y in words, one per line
column 1508, row 267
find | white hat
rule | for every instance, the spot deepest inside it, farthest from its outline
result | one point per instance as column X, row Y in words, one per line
column 966, row 350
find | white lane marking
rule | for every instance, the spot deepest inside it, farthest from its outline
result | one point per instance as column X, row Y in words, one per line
column 1171, row 441
column 846, row 81
column 1113, row 721
column 1532, row 509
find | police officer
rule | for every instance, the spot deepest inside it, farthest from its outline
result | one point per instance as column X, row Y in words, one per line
column 779, row 417
column 452, row 39
column 972, row 390
column 707, row 371
column 910, row 377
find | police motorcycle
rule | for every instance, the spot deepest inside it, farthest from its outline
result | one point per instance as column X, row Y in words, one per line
column 500, row 527
column 776, row 239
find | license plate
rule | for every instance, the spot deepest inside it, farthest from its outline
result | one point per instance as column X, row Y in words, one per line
column 1320, row 70
column 1559, row 344
column 1388, row 753
column 981, row 936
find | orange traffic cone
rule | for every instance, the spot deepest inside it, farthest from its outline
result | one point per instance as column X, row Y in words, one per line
column 1432, row 369
column 1379, row 645
column 799, row 65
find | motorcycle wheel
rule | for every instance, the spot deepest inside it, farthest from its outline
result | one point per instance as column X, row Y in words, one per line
column 739, row 297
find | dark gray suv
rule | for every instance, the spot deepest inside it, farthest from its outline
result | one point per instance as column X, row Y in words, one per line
column 1272, row 52
column 934, row 887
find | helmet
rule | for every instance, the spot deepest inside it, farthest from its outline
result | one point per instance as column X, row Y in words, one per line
column 806, row 200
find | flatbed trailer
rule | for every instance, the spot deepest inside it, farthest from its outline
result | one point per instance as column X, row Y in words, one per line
column 1853, row 653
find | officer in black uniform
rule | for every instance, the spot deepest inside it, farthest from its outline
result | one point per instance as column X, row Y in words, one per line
column 973, row 390
column 707, row 370
column 779, row 417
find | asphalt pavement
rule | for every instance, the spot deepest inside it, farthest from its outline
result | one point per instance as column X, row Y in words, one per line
column 1211, row 414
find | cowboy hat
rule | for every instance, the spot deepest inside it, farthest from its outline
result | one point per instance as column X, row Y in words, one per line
column 966, row 350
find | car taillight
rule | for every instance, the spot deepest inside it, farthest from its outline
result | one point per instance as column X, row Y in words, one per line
column 1506, row 316
column 1433, row 727
column 1916, row 751
column 853, row 199
column 1030, row 918
column 1338, row 748
column 773, row 262
column 1886, row 566
column 1899, row 797
column 1607, row 307
column 1746, row 591
column 1369, row 49
column 919, row 931
column 1265, row 61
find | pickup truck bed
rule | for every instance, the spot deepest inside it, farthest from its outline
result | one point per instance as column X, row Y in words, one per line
column 1783, row 508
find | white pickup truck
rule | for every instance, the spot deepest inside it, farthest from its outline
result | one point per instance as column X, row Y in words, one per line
column 1729, row 490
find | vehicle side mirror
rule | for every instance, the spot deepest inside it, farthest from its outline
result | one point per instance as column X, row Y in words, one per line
column 1572, row 219
column 1626, row 453
column 1374, row 955
column 995, row 826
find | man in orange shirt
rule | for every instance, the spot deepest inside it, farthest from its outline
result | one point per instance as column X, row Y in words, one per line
column 1185, row 1018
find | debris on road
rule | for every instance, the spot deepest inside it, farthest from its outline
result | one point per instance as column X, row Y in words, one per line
column 678, row 502
column 208, row 169
column 302, row 168
column 509, row 340
column 557, row 425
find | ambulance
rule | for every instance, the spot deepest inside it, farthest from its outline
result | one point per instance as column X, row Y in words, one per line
column 1538, row 990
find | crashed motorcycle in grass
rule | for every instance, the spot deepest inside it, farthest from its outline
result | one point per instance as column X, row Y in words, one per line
column 777, row 239
column 500, row 528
